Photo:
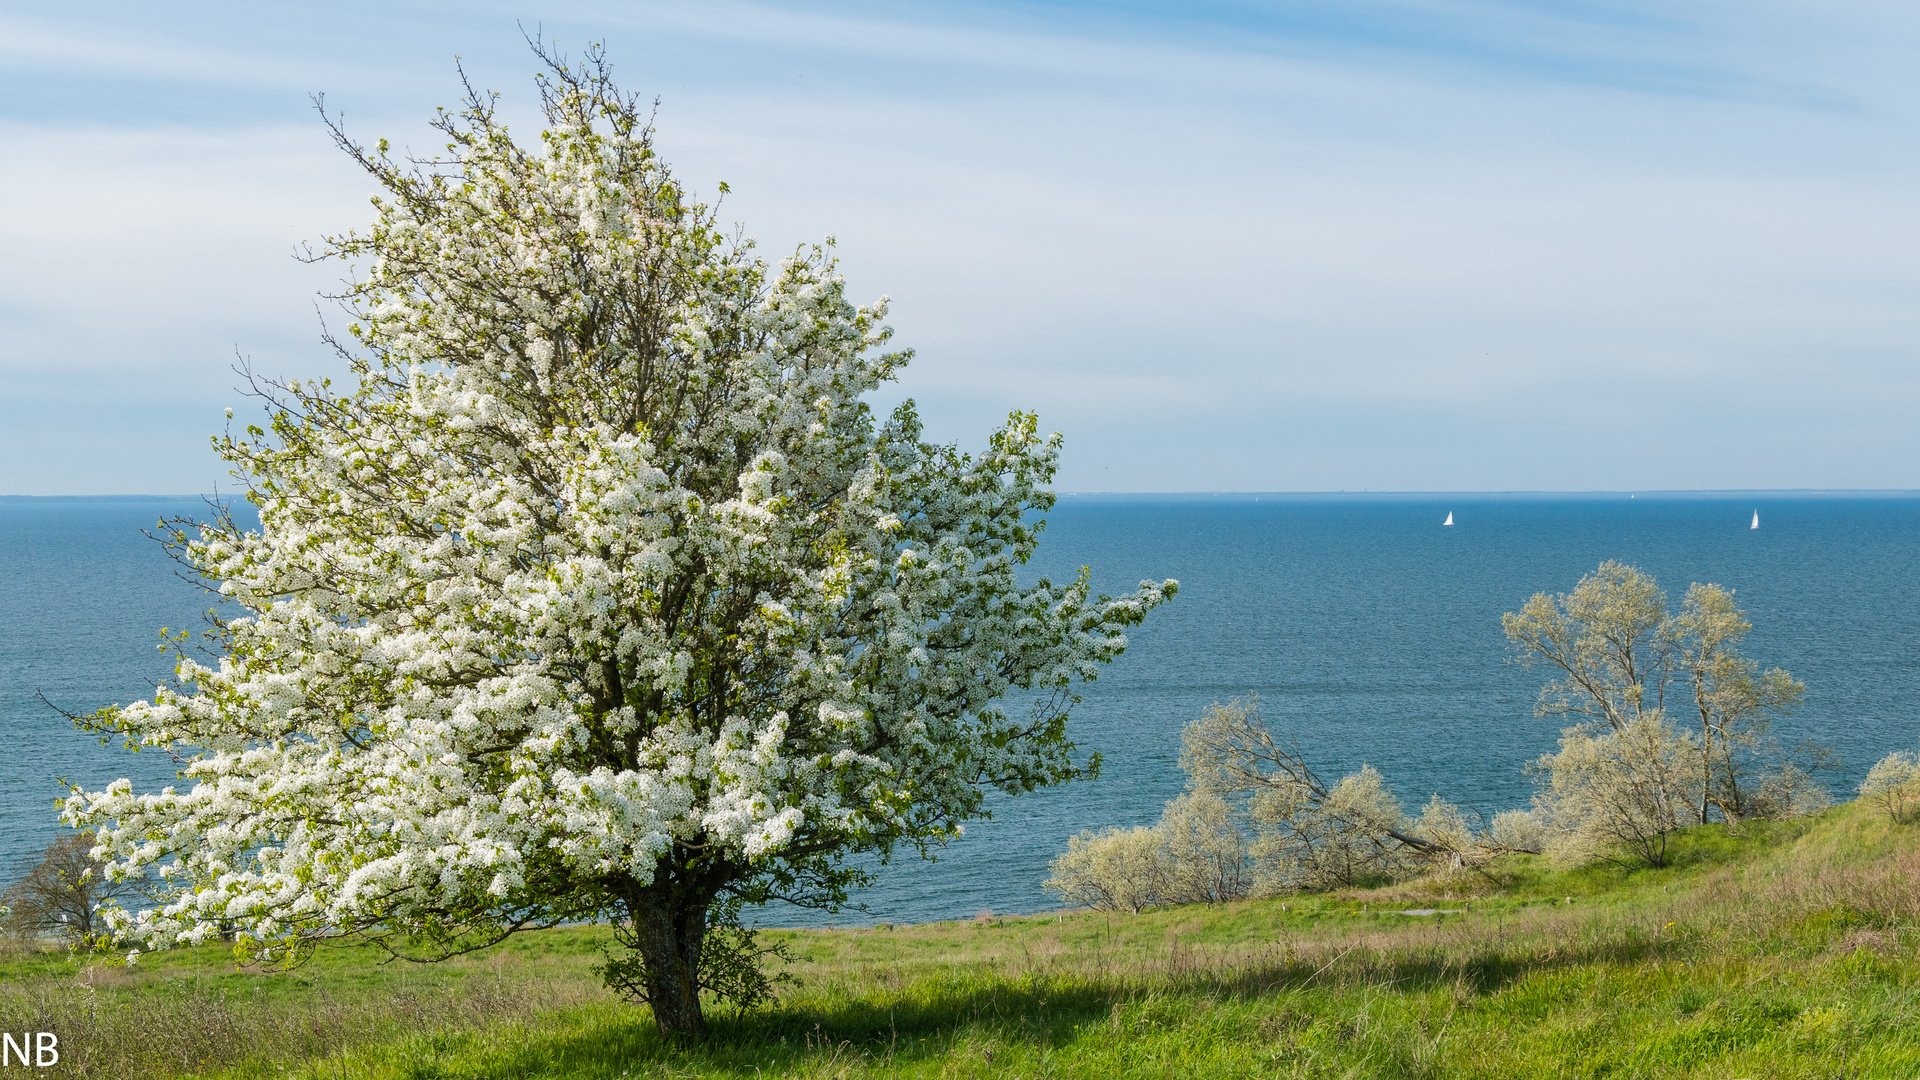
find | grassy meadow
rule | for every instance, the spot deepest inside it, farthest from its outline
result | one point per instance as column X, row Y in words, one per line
column 1785, row 950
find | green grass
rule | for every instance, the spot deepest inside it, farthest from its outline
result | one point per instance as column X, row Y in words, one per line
column 1785, row 950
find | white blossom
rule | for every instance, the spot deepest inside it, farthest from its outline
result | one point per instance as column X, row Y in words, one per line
column 602, row 571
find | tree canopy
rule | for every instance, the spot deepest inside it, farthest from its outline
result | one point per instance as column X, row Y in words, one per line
column 601, row 594
column 1626, row 775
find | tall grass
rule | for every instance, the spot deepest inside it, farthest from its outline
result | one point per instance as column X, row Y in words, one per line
column 1781, row 951
column 195, row 1011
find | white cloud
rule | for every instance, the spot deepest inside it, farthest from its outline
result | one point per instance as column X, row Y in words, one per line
column 127, row 246
column 1218, row 256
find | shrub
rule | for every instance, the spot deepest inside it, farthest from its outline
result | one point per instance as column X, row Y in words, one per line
column 1517, row 830
column 1346, row 838
column 1890, row 783
column 1113, row 870
column 1789, row 793
column 1197, row 854
column 1442, row 824
column 1614, row 792
column 1205, row 850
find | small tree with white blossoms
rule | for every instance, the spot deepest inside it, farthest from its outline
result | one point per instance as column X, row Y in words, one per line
column 602, row 595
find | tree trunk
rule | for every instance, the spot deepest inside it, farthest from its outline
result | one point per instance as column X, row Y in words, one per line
column 1706, row 760
column 669, row 924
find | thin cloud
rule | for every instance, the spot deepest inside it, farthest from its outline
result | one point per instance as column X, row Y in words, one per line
column 1377, row 244
column 74, row 50
column 1694, row 50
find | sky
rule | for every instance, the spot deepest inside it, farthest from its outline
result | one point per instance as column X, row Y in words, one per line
column 1407, row 245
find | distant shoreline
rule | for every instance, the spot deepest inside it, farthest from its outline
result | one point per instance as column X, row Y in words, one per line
column 103, row 498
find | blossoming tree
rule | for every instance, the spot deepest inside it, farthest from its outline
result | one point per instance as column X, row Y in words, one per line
column 603, row 594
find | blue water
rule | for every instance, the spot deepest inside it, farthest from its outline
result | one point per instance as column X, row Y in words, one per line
column 83, row 595
column 1368, row 630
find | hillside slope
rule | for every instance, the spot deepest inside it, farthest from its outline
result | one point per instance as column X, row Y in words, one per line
column 1787, row 950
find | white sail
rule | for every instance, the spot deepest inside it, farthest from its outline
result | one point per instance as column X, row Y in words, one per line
column 1449, row 520
column 1756, row 520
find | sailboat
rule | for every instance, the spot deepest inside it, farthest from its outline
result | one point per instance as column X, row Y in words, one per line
column 1756, row 520
column 1449, row 520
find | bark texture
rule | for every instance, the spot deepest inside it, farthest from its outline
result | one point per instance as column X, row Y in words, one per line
column 664, row 933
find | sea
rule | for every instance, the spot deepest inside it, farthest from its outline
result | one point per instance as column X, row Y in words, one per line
column 1367, row 629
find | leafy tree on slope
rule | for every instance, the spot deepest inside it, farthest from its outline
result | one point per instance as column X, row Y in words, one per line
column 1625, row 776
column 63, row 891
